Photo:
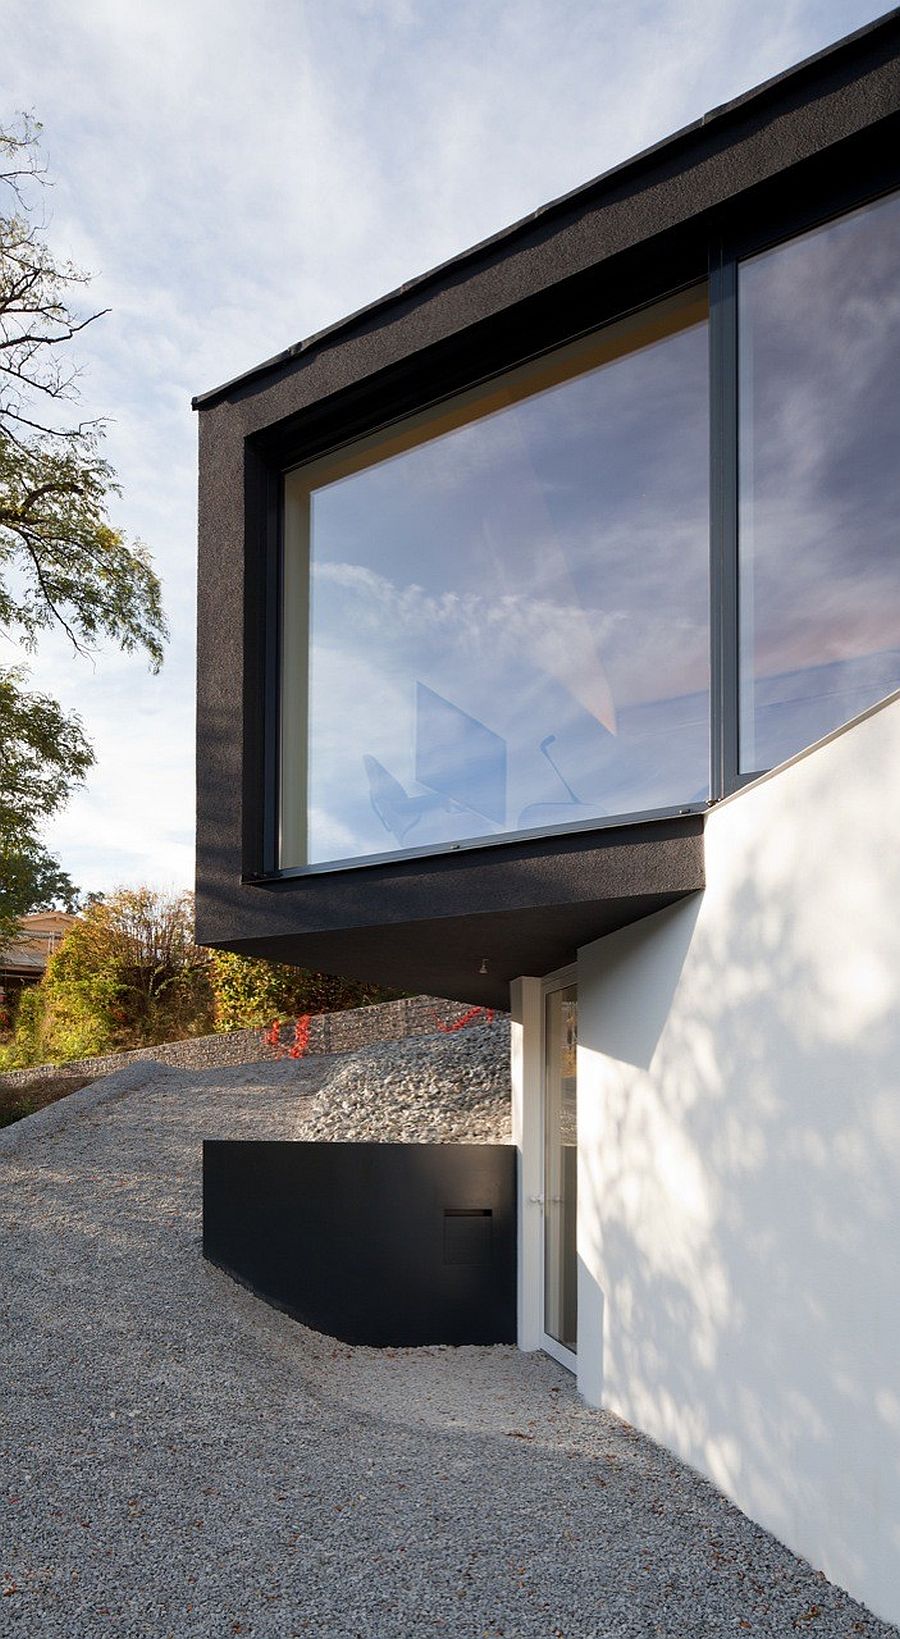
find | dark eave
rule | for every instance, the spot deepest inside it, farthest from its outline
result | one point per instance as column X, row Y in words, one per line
column 671, row 151
column 431, row 923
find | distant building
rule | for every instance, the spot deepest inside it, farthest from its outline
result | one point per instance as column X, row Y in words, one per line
column 24, row 962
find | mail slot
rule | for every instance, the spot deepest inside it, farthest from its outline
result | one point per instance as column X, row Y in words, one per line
column 467, row 1235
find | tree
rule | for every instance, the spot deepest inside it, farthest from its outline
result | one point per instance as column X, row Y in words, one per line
column 32, row 880
column 42, row 751
column 128, row 974
column 248, row 991
column 62, row 563
column 76, row 570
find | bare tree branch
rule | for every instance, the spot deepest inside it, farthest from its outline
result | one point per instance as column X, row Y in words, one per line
column 63, row 563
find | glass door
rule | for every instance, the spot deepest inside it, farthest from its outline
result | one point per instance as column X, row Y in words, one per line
column 560, row 1173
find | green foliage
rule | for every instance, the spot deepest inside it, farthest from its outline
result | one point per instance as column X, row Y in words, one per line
column 42, row 753
column 72, row 568
column 249, row 992
column 25, row 1047
column 62, row 562
column 36, row 882
column 53, row 1027
column 128, row 974
column 30, row 880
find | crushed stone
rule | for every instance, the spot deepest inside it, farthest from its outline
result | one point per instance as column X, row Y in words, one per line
column 178, row 1461
column 438, row 1089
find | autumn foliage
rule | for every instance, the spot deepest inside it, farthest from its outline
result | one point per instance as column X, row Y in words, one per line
column 129, row 974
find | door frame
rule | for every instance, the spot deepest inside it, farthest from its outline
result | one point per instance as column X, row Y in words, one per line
column 561, row 979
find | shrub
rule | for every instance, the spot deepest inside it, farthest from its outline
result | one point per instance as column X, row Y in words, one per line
column 128, row 974
column 248, row 992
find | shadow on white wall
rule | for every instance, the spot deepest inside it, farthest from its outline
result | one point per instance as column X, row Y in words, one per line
column 739, row 1122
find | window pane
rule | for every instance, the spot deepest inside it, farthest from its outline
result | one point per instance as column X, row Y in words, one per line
column 561, row 1166
column 819, row 590
column 507, row 623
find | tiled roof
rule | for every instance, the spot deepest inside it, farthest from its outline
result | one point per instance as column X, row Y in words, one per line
column 41, row 935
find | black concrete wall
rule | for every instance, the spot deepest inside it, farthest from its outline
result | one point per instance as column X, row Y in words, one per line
column 381, row 1244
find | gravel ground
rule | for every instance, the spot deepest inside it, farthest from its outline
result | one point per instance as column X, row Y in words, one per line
column 426, row 1090
column 178, row 1460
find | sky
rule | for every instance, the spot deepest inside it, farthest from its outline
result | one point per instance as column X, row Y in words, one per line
column 237, row 175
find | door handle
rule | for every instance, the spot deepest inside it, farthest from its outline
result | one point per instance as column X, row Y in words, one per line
column 538, row 1200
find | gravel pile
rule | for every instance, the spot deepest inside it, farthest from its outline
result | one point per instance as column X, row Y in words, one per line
column 440, row 1089
column 178, row 1461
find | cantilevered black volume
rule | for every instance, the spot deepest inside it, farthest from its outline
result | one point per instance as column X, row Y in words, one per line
column 413, row 828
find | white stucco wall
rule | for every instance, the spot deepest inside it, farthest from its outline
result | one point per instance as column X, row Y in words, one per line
column 739, row 1167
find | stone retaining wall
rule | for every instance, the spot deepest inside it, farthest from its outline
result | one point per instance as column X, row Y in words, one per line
column 328, row 1033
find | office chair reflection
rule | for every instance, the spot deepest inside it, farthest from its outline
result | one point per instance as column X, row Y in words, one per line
column 398, row 812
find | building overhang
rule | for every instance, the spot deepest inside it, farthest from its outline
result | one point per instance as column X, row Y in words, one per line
column 768, row 162
column 463, row 927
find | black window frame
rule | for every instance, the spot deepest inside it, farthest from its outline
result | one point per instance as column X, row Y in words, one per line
column 727, row 241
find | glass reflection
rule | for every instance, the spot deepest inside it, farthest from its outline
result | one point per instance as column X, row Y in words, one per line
column 819, row 482
column 561, row 1166
column 508, row 596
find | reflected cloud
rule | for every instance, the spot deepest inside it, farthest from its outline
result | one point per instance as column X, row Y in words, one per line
column 820, row 481
column 543, row 572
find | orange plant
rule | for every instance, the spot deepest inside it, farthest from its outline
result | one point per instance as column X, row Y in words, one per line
column 271, row 1037
column 450, row 1027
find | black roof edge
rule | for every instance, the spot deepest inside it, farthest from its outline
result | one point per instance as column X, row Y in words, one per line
column 635, row 162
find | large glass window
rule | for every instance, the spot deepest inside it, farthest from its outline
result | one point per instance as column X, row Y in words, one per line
column 496, row 613
column 819, row 385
